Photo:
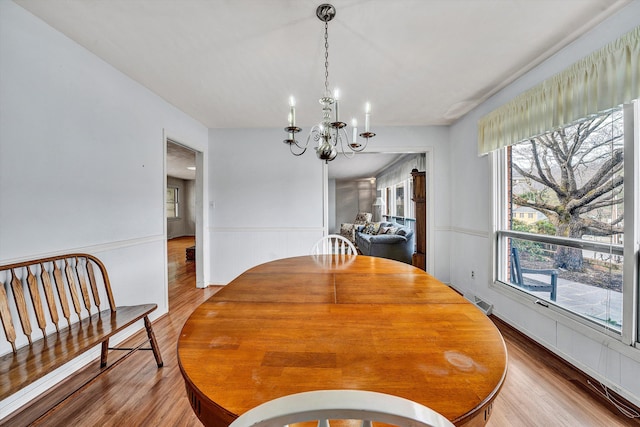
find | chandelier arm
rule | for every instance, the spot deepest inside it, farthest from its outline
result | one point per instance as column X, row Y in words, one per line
column 361, row 148
column 297, row 154
column 348, row 154
column 315, row 133
column 341, row 138
column 357, row 147
column 297, row 145
column 302, row 147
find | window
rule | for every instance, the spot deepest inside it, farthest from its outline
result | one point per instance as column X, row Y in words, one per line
column 399, row 200
column 387, row 202
column 396, row 185
column 573, row 179
column 172, row 202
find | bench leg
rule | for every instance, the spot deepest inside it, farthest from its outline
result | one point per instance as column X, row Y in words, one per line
column 105, row 352
column 153, row 342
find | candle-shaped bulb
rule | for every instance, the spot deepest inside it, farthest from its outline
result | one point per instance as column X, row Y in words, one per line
column 367, row 116
column 292, row 111
column 336, row 96
column 354, row 124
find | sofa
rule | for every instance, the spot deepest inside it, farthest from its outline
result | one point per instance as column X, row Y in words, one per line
column 386, row 240
column 348, row 230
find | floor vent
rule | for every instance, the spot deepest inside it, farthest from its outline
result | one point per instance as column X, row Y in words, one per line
column 483, row 305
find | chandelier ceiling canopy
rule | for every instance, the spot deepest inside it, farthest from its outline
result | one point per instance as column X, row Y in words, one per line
column 330, row 134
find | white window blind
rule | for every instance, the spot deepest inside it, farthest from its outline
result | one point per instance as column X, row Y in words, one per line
column 400, row 172
column 601, row 81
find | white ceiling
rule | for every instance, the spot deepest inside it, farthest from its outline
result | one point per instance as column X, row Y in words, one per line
column 179, row 160
column 234, row 63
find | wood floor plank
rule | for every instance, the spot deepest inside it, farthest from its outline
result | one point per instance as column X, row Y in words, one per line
column 540, row 390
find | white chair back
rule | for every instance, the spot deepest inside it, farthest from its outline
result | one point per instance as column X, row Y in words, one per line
column 334, row 244
column 325, row 405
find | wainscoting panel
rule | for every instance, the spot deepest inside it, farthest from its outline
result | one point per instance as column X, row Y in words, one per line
column 234, row 250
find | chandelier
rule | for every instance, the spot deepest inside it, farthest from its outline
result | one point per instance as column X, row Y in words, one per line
column 330, row 134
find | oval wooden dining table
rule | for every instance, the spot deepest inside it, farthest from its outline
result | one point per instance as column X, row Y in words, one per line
column 340, row 322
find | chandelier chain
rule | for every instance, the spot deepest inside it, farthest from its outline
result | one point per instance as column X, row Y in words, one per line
column 326, row 58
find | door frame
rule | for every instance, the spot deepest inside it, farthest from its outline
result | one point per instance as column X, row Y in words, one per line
column 202, row 238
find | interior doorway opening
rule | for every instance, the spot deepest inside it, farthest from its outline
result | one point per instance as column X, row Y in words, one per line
column 361, row 193
column 184, row 195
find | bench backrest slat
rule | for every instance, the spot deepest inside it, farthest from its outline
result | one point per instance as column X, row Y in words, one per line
column 83, row 285
column 36, row 300
column 48, row 293
column 84, row 282
column 62, row 295
column 94, row 286
column 21, row 304
column 5, row 316
column 71, row 283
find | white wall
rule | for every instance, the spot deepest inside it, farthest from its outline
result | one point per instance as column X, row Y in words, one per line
column 81, row 163
column 615, row 365
column 331, row 196
column 190, row 205
column 265, row 203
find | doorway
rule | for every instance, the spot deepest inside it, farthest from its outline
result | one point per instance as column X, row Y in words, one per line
column 370, row 164
column 184, row 201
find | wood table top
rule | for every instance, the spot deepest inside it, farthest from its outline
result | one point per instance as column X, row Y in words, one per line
column 355, row 322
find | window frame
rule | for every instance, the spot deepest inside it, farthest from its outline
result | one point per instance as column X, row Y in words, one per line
column 176, row 203
column 628, row 336
column 399, row 187
column 389, row 196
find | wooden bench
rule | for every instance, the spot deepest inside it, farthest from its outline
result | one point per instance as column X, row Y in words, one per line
column 520, row 281
column 64, row 307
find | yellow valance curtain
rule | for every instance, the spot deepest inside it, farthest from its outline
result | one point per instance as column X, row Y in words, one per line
column 603, row 80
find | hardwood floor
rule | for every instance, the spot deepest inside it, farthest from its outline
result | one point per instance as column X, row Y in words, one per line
column 540, row 390
column 543, row 390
